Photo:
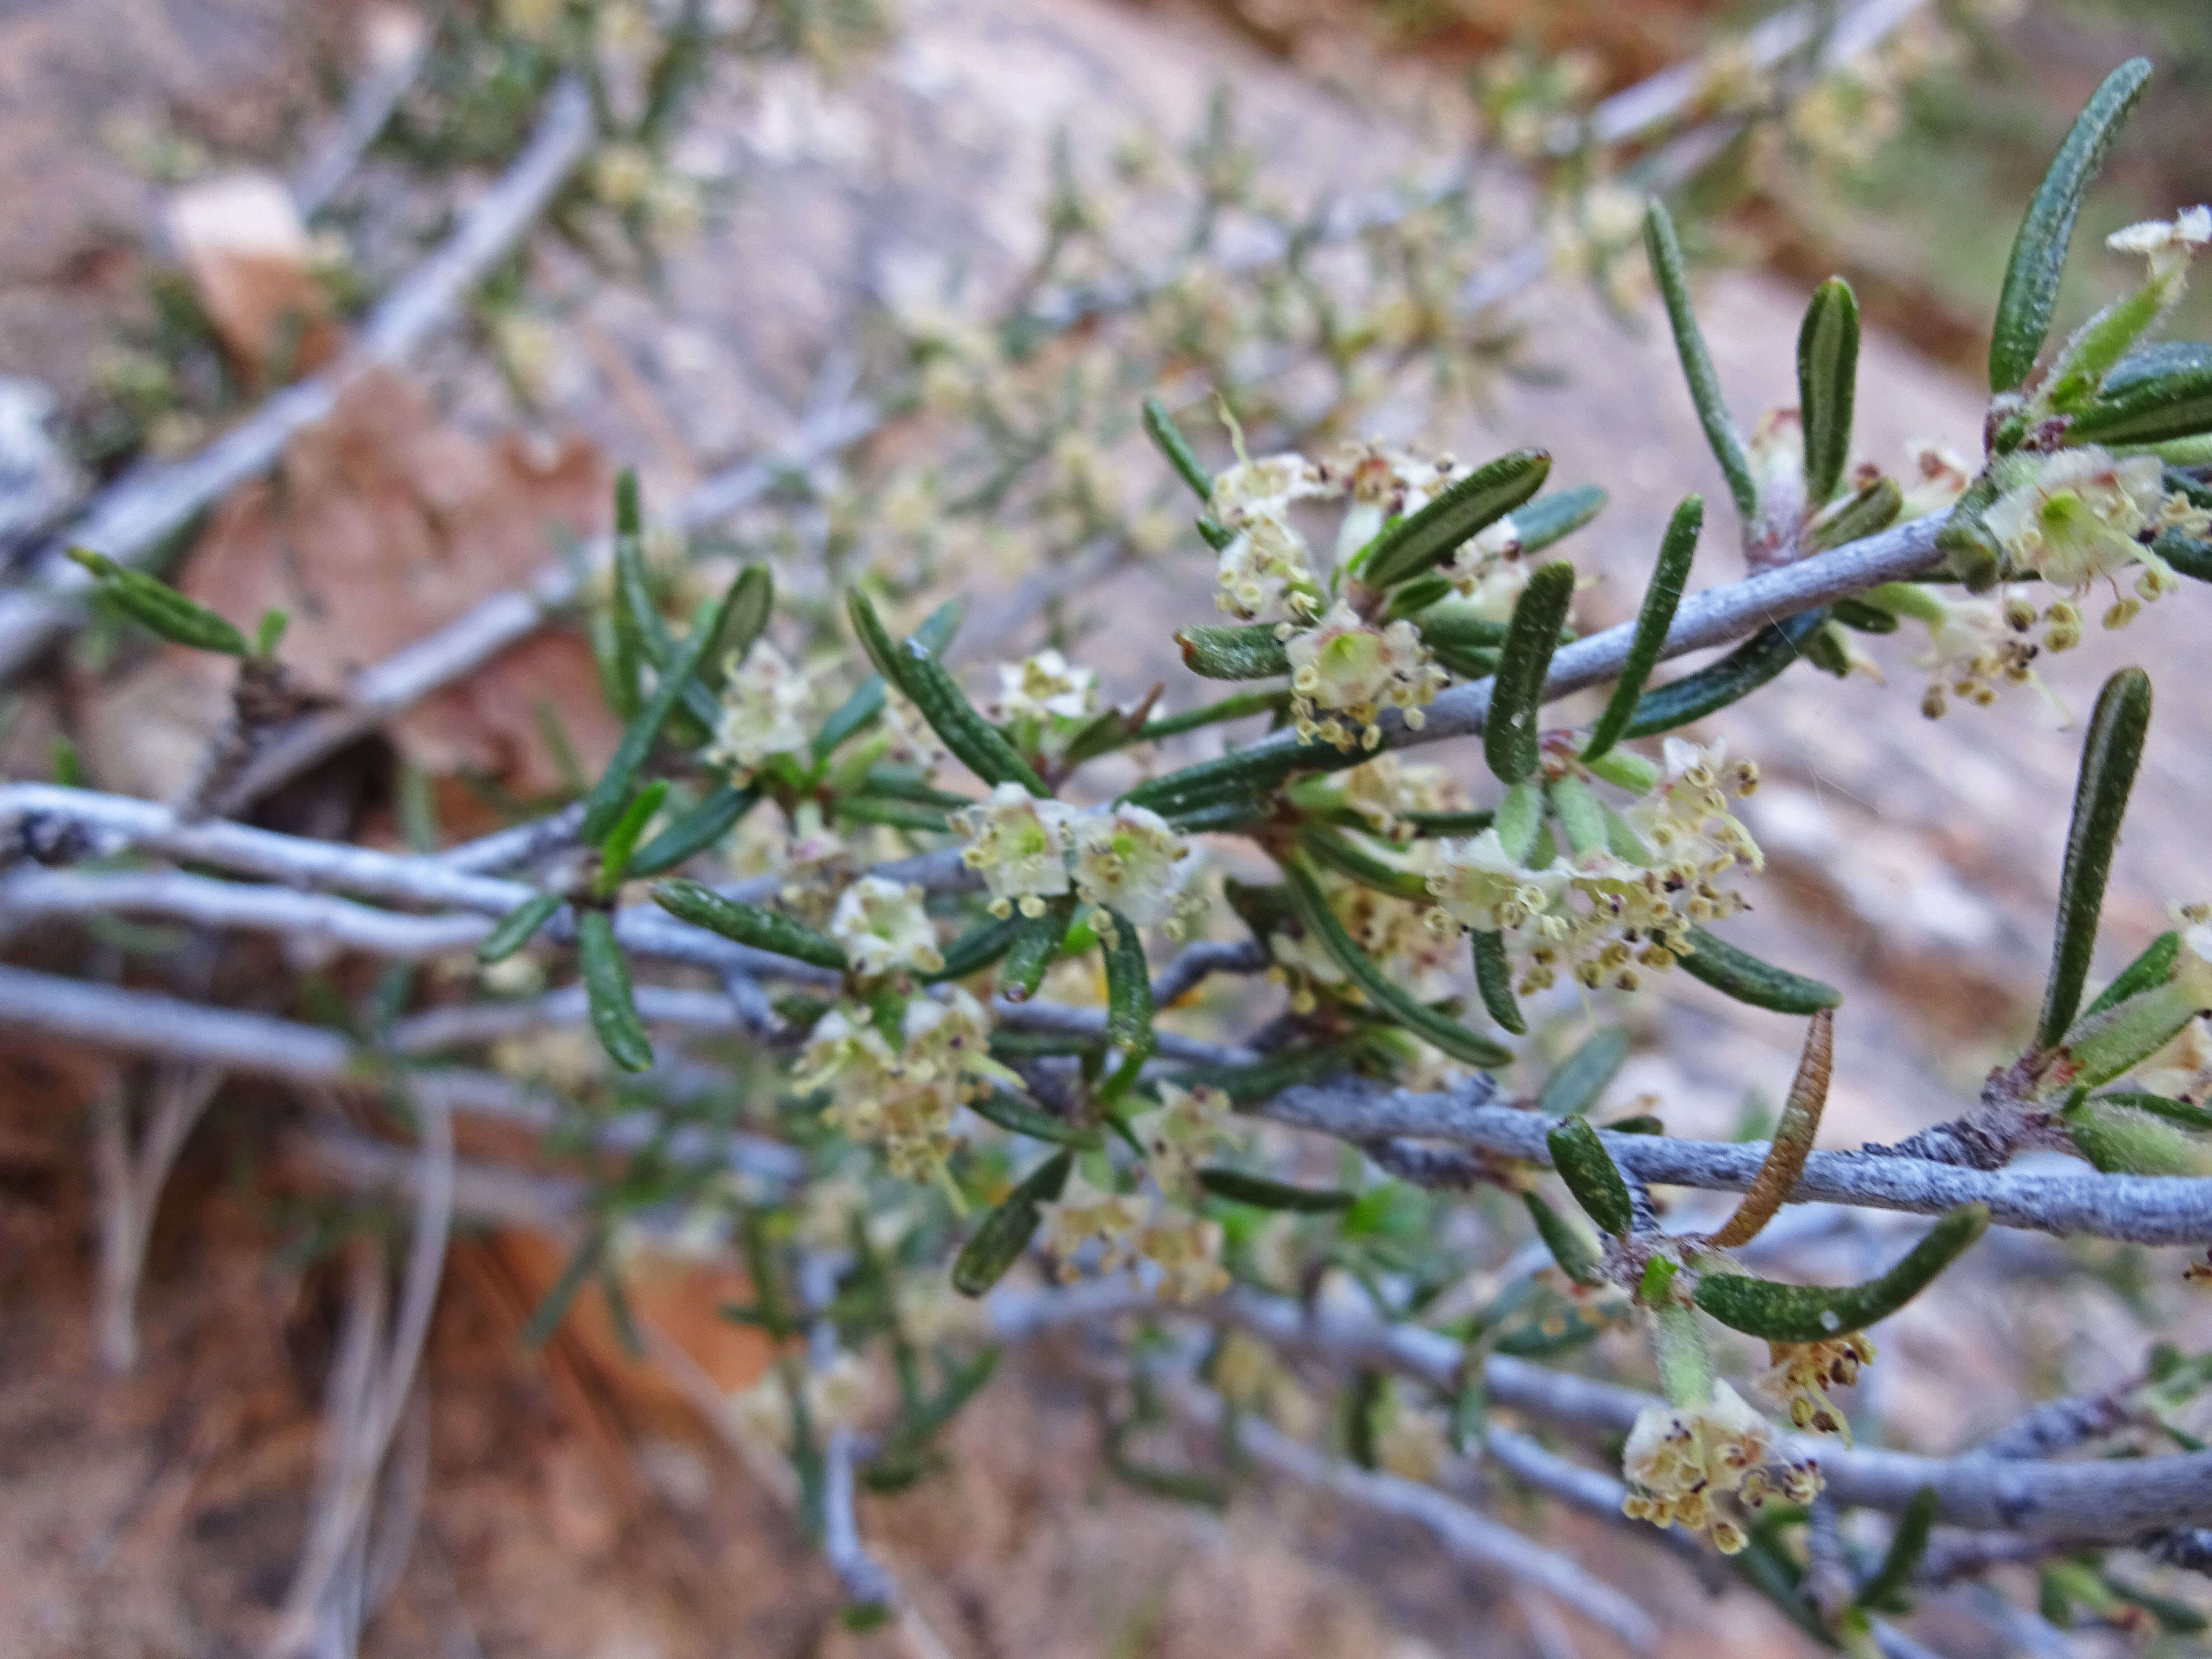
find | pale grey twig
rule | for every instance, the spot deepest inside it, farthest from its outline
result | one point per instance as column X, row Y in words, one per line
column 127, row 520
column 396, row 42
column 2140, row 1209
column 130, row 1178
column 365, row 1420
column 2058, row 1426
column 1466, row 1534
column 524, row 843
column 107, row 1016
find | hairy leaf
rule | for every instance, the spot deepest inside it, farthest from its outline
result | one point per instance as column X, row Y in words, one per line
column 1793, row 1137
column 1591, row 1175
column 1742, row 976
column 1516, row 697
column 1661, row 597
column 1006, row 1232
column 1828, row 380
column 748, row 924
column 2030, row 293
column 1811, row 1313
column 2109, row 755
column 1665, row 250
column 1412, row 543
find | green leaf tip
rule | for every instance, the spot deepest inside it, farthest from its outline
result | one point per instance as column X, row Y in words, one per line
column 1509, row 729
column 2030, row 291
column 1721, row 433
column 1827, row 380
column 2109, row 755
column 1006, row 1232
column 1591, row 1175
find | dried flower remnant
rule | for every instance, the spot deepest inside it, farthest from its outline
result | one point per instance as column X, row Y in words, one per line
column 883, row 926
column 1690, row 1467
column 1019, row 844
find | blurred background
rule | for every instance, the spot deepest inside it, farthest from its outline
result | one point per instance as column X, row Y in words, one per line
column 984, row 229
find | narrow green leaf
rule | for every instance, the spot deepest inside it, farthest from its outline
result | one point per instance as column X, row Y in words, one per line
column 1241, row 705
column 1262, row 1080
column 1827, row 382
column 2154, row 967
column 2030, row 293
column 1812, row 1313
column 978, row 948
column 745, row 611
column 554, row 1309
column 695, row 832
column 1520, row 819
column 1669, row 577
column 892, row 813
column 1006, row 1232
column 518, row 927
column 1591, row 1175
column 1577, row 810
column 2153, row 395
column 1885, row 1591
column 1868, row 513
column 606, row 989
column 980, row 745
column 1390, row 1000
column 1665, row 250
column 1565, row 1239
column 1509, row 730
column 1717, row 684
column 1325, row 845
column 2197, row 1118
column 2187, row 554
column 604, row 804
column 1018, row 1116
column 270, row 633
column 1160, row 427
column 1230, row 652
column 867, row 703
column 1449, row 824
column 1244, row 776
column 1412, row 543
column 1742, row 976
column 1494, row 979
column 622, row 841
column 2119, row 1140
column 1583, row 1075
column 1793, row 1137
column 748, row 924
column 1551, row 517
column 1262, row 1193
column 1863, row 617
column 1035, row 946
column 1128, row 989
column 160, row 608
column 2104, row 1046
column 2109, row 755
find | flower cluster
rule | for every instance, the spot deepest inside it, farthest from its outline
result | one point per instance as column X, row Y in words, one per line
column 2074, row 518
column 1043, row 686
column 903, row 1095
column 1346, row 669
column 1385, row 789
column 1028, row 851
column 884, row 927
column 1689, row 1466
column 764, row 701
column 1157, row 1225
column 1599, row 912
